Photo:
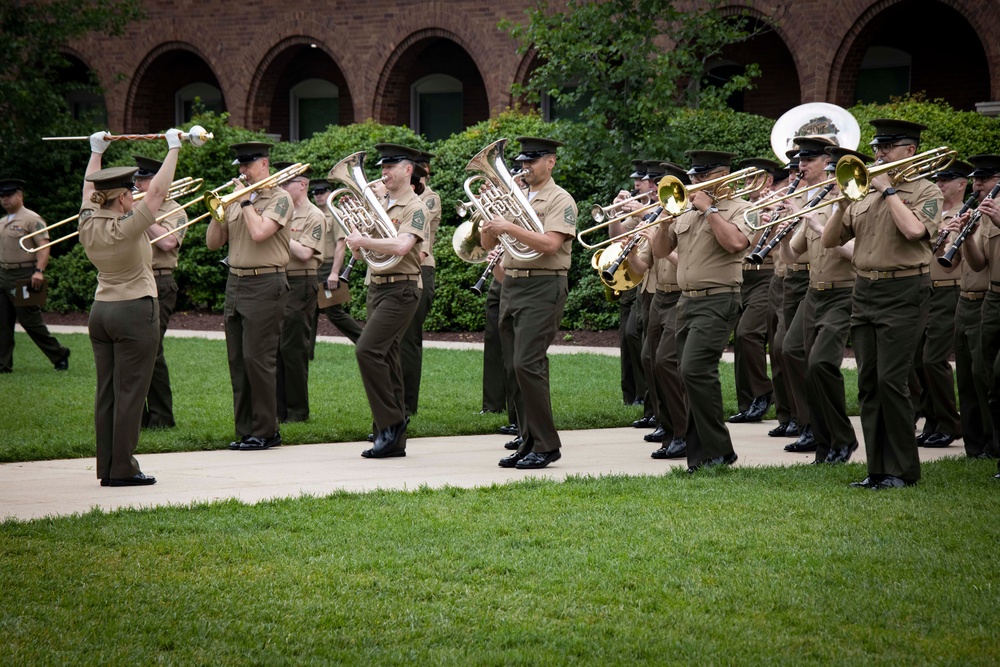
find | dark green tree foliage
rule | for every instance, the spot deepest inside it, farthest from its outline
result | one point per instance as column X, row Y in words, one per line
column 32, row 94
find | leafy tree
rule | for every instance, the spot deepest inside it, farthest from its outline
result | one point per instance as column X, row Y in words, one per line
column 624, row 64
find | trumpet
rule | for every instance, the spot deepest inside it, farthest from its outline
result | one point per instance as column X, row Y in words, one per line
column 197, row 135
column 601, row 213
column 179, row 188
column 356, row 207
column 947, row 260
column 217, row 205
column 775, row 197
column 672, row 196
column 179, row 228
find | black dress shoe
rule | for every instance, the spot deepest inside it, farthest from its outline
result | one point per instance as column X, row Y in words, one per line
column 511, row 461
column 535, row 460
column 922, row 438
column 890, row 482
column 484, row 411
column 63, row 365
column 135, row 480
column 676, row 449
column 371, row 437
column 637, row 401
column 727, row 460
column 509, row 429
column 656, row 436
column 841, row 454
column 758, row 408
column 805, row 443
column 235, row 445
column 644, row 422
column 793, row 430
column 996, row 476
column 513, row 444
column 255, row 442
column 867, row 483
column 939, row 440
column 779, row 431
column 739, row 418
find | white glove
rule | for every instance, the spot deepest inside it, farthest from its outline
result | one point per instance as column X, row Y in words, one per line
column 173, row 138
column 98, row 144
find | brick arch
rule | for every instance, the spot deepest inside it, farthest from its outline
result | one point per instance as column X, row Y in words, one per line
column 140, row 115
column 524, row 69
column 847, row 59
column 267, row 81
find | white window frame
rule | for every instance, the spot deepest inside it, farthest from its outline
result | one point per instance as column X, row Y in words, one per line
column 309, row 89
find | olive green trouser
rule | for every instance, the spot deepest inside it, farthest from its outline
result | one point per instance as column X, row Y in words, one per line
column 886, row 319
column 124, row 336
column 667, row 388
column 292, row 382
column 776, row 343
column 338, row 314
column 972, row 375
column 495, row 394
column 531, row 309
column 826, row 321
column 390, row 309
column 793, row 350
column 255, row 308
column 750, row 342
column 412, row 345
column 933, row 382
column 629, row 340
column 158, row 412
column 30, row 318
column 704, row 325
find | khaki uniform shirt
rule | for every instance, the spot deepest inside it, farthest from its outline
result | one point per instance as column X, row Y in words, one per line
column 167, row 259
column 331, row 235
column 119, row 248
column 410, row 216
column 245, row 253
column 703, row 263
column 977, row 281
column 879, row 245
column 308, row 227
column 800, row 199
column 433, row 203
column 826, row 265
column 938, row 272
column 556, row 210
column 988, row 236
column 15, row 227
column 662, row 274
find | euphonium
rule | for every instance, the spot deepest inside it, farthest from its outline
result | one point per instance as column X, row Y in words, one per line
column 500, row 197
column 355, row 207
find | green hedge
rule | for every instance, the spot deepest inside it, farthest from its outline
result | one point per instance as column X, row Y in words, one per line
column 586, row 168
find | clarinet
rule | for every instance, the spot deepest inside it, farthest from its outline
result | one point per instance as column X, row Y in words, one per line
column 763, row 237
column 758, row 257
column 346, row 275
column 477, row 289
column 608, row 274
column 943, row 234
column 947, row 260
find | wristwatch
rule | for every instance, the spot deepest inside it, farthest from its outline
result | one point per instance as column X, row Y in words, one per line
column 245, row 203
column 888, row 192
column 711, row 209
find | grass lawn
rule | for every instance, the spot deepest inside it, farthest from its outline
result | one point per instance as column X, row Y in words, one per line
column 782, row 566
column 50, row 415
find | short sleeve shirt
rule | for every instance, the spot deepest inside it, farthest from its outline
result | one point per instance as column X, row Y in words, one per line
column 245, row 253
column 702, row 262
column 433, row 203
column 878, row 243
column 118, row 246
column 14, row 228
column 556, row 211
column 308, row 227
column 409, row 216
column 173, row 217
column 826, row 265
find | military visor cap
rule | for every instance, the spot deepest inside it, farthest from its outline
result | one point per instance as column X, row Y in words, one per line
column 319, row 185
column 654, row 169
column 837, row 152
column 250, row 151
column 793, row 158
column 985, row 165
column 113, row 177
column 638, row 169
column 705, row 161
column 955, row 170
column 812, row 146
column 393, row 153
column 425, row 157
column 147, row 166
column 533, row 148
column 770, row 166
column 9, row 186
column 889, row 131
column 675, row 170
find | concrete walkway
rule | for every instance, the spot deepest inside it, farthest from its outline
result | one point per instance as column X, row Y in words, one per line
column 53, row 488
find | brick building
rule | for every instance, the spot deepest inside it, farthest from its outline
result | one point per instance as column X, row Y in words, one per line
column 439, row 66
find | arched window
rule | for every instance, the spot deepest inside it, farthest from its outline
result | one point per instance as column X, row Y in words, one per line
column 315, row 105
column 885, row 73
column 554, row 110
column 436, row 105
column 209, row 95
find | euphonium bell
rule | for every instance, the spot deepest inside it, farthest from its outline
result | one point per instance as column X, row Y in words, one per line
column 467, row 243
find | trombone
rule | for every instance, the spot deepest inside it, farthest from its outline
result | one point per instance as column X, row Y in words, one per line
column 672, row 196
column 179, row 188
column 217, row 205
column 854, row 178
column 601, row 213
column 201, row 217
